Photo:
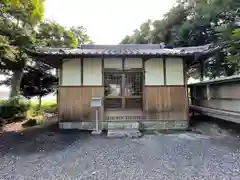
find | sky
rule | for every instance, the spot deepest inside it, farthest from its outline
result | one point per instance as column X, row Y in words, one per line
column 106, row 21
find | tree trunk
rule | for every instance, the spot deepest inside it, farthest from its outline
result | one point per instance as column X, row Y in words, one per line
column 39, row 103
column 15, row 82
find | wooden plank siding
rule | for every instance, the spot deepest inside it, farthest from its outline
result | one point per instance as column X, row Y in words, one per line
column 75, row 102
column 165, row 103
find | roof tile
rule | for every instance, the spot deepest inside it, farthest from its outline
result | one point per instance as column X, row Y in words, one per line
column 137, row 49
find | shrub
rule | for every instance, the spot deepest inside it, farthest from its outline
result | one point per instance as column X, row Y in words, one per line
column 20, row 102
column 46, row 106
column 16, row 106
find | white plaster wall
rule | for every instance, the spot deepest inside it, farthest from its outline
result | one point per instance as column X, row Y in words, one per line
column 230, row 90
column 92, row 71
column 113, row 63
column 227, row 105
column 154, row 72
column 71, row 72
column 133, row 63
column 174, row 71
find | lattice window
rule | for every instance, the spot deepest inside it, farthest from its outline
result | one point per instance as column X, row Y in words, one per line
column 112, row 83
column 133, row 84
column 123, row 89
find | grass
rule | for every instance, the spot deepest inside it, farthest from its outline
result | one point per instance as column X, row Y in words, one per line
column 38, row 116
column 47, row 106
column 3, row 102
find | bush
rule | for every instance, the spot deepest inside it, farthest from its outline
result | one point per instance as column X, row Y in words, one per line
column 20, row 102
column 16, row 106
column 46, row 106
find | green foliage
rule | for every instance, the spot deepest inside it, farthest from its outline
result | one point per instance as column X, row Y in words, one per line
column 27, row 10
column 16, row 106
column 17, row 22
column 198, row 22
column 21, row 28
column 20, row 102
column 6, row 51
column 46, row 106
column 8, row 110
column 38, row 81
column 81, row 34
column 51, row 34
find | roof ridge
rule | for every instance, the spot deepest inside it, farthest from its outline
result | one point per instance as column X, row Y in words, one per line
column 124, row 46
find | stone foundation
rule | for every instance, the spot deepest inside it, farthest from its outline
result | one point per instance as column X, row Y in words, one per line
column 143, row 125
column 164, row 125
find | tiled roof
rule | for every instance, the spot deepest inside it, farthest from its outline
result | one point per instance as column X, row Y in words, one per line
column 125, row 49
column 123, row 46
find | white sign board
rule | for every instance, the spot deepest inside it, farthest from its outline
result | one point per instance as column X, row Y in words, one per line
column 96, row 102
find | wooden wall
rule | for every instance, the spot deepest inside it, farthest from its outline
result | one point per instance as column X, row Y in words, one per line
column 74, row 102
column 165, row 103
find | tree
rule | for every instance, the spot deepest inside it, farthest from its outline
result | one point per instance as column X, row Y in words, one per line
column 51, row 34
column 140, row 36
column 17, row 22
column 81, row 34
column 37, row 80
column 33, row 7
column 199, row 22
column 20, row 29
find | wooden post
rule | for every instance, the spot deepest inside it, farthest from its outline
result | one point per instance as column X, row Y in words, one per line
column 201, row 70
column 164, row 71
column 218, row 64
column 208, row 92
column 81, row 69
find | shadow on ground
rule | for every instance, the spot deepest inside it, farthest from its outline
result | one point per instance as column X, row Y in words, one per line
column 211, row 126
column 44, row 138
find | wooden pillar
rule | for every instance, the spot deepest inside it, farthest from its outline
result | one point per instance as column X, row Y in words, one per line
column 81, row 69
column 201, row 69
column 208, row 92
column 218, row 64
column 164, row 71
column 192, row 98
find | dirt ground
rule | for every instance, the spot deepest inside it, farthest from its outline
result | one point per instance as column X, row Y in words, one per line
column 17, row 126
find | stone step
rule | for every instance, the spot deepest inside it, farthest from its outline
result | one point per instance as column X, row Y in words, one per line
column 122, row 125
column 124, row 133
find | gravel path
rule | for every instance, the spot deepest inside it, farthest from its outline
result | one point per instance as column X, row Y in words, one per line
column 81, row 156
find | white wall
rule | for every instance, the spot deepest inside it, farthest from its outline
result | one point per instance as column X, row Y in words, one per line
column 154, row 72
column 174, row 71
column 71, row 72
column 113, row 63
column 133, row 63
column 92, row 71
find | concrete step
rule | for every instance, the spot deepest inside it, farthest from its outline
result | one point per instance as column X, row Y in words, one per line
column 132, row 133
column 123, row 125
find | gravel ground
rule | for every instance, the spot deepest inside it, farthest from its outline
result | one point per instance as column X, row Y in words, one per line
column 79, row 155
